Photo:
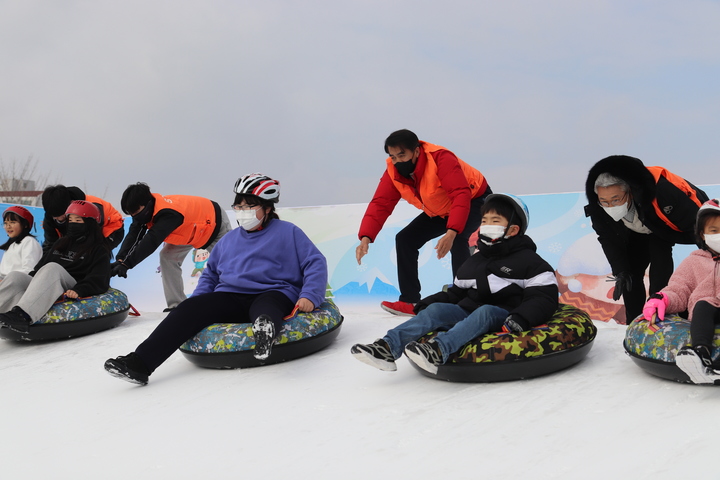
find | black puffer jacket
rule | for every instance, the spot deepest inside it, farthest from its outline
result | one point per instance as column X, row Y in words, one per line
column 679, row 208
column 509, row 275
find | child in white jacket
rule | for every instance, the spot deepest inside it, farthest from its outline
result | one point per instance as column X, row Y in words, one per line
column 22, row 250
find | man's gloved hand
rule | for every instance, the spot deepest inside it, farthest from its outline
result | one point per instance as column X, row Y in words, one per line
column 118, row 269
column 623, row 284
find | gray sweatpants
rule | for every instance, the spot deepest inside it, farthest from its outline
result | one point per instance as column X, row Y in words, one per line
column 35, row 295
column 171, row 260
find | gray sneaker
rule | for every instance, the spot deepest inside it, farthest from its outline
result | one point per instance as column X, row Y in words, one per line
column 425, row 355
column 376, row 354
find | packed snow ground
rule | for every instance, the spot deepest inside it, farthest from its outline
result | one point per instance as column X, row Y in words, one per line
column 328, row 416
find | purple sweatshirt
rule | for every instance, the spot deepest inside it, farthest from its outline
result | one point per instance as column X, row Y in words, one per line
column 279, row 257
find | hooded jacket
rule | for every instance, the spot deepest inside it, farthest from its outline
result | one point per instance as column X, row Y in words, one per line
column 655, row 192
column 697, row 278
column 509, row 275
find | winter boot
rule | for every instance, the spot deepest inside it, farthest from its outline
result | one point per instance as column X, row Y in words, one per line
column 16, row 320
column 425, row 355
column 130, row 368
column 264, row 333
column 696, row 362
column 376, row 354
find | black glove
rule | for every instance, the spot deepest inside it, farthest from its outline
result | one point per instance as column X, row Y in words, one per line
column 623, row 283
column 118, row 269
column 512, row 325
column 427, row 301
column 419, row 307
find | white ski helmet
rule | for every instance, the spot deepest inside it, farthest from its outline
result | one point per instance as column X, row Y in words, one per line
column 259, row 185
column 709, row 208
column 519, row 208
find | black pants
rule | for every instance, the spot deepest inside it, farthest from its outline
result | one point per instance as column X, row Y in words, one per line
column 421, row 230
column 644, row 250
column 702, row 327
column 196, row 313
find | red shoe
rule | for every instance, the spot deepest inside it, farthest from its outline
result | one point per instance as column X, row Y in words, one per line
column 399, row 308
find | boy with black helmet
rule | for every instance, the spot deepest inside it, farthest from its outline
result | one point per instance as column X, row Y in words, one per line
column 506, row 284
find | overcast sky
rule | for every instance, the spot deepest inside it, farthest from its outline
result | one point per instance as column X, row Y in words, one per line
column 187, row 96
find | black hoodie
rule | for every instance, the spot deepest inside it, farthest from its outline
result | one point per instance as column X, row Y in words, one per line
column 509, row 275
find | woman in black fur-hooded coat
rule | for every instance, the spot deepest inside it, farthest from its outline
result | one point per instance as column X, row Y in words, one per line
column 658, row 210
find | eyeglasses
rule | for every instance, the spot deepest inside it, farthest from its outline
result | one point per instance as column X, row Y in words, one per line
column 614, row 202
column 237, row 206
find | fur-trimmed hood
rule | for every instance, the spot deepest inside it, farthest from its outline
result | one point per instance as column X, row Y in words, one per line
column 632, row 170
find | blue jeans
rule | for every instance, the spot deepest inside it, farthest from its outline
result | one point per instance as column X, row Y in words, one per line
column 461, row 327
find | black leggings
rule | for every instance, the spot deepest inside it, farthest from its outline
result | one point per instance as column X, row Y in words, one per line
column 644, row 250
column 196, row 313
column 702, row 327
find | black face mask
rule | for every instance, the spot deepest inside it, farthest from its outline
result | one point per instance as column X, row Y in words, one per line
column 145, row 214
column 76, row 230
column 405, row 168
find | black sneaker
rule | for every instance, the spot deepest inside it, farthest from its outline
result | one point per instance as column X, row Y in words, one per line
column 129, row 368
column 376, row 354
column 696, row 362
column 16, row 320
column 264, row 333
column 425, row 355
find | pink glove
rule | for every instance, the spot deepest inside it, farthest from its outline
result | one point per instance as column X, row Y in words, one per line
column 656, row 304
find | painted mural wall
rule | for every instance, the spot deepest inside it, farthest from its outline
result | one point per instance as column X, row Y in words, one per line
column 564, row 237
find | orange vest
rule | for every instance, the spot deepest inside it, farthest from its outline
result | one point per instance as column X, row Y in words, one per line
column 112, row 220
column 199, row 223
column 433, row 199
column 679, row 183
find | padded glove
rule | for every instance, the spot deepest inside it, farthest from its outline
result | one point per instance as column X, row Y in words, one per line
column 118, row 269
column 656, row 304
column 623, row 283
column 419, row 307
column 512, row 325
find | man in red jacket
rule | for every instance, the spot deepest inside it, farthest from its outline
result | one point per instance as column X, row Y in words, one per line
column 450, row 194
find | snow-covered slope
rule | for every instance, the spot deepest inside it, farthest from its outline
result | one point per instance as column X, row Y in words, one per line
column 329, row 416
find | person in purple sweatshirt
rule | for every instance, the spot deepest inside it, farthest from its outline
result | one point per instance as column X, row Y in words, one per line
column 257, row 274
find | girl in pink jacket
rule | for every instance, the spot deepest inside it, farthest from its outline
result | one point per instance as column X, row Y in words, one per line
column 695, row 287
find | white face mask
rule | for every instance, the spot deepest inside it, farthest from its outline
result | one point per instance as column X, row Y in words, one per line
column 247, row 219
column 616, row 213
column 713, row 241
column 493, row 232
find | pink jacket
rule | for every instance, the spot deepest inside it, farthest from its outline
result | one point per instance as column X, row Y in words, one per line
column 695, row 279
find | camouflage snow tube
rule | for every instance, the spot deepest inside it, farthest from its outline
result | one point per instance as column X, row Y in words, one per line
column 496, row 357
column 74, row 318
column 654, row 351
column 230, row 345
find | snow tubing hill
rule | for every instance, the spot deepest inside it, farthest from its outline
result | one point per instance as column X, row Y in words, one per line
column 230, row 345
column 496, row 357
column 74, row 318
column 655, row 352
